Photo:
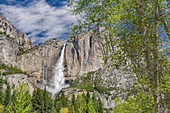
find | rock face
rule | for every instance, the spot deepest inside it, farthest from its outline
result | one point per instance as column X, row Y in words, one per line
column 8, row 50
column 16, row 79
column 82, row 56
column 21, row 38
column 40, row 61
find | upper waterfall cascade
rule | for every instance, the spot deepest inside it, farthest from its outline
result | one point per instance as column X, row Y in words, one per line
column 57, row 82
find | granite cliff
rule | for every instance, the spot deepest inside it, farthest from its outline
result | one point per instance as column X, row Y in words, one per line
column 80, row 56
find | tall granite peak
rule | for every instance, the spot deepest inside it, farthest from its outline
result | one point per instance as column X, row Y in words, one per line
column 21, row 38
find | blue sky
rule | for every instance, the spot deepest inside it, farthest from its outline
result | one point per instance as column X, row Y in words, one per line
column 39, row 19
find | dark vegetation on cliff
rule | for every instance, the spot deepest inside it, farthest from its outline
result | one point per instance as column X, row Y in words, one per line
column 92, row 82
column 10, row 70
column 4, row 33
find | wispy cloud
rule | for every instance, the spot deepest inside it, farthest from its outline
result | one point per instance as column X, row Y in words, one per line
column 39, row 20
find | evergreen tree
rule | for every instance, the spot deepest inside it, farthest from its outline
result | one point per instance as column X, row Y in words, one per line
column 1, row 92
column 22, row 102
column 72, row 109
column 87, row 101
column 7, row 95
column 57, row 103
column 87, row 97
column 84, row 96
column 94, row 97
column 34, row 100
column 95, row 102
column 64, row 100
column 38, row 101
column 73, row 103
column 48, row 103
column 13, row 97
column 100, row 109
column 91, row 108
column 80, row 104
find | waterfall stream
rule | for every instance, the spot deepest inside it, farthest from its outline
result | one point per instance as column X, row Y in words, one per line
column 57, row 81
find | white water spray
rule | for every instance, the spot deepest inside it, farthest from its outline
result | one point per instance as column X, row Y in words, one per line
column 57, row 81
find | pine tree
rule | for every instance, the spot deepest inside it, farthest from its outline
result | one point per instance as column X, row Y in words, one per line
column 57, row 103
column 13, row 97
column 87, row 97
column 80, row 104
column 21, row 102
column 34, row 100
column 84, row 96
column 87, row 101
column 72, row 109
column 1, row 92
column 100, row 109
column 7, row 95
column 95, row 102
column 40, row 100
column 73, row 103
column 91, row 107
column 64, row 100
column 48, row 104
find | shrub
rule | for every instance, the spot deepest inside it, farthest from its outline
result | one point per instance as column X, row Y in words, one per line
column 1, row 108
column 64, row 110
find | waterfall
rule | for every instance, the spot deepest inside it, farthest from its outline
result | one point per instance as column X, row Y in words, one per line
column 57, row 81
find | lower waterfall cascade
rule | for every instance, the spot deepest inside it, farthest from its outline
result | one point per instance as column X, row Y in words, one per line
column 57, row 82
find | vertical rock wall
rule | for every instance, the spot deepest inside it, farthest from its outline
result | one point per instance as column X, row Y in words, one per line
column 8, row 50
column 39, row 62
column 82, row 56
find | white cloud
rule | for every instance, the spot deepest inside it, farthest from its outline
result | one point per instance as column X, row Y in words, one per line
column 39, row 17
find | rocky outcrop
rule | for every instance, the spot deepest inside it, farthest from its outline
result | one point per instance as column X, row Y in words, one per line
column 21, row 38
column 82, row 55
column 40, row 61
column 16, row 79
column 8, row 50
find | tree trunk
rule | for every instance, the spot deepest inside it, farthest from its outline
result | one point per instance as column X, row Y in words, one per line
column 156, row 93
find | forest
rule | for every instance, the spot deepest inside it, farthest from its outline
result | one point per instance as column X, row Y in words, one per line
column 41, row 102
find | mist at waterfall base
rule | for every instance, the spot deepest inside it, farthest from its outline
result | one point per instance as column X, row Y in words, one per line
column 57, row 82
